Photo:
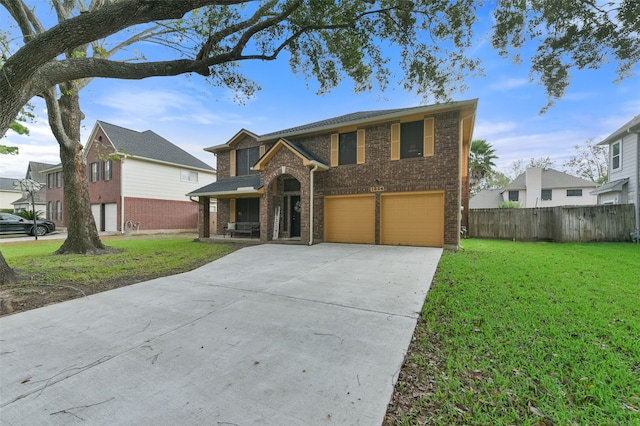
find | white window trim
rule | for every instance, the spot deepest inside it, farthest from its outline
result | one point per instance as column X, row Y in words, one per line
column 619, row 143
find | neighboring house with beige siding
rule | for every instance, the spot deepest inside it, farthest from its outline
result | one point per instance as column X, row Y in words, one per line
column 139, row 177
column 8, row 193
column 623, row 186
column 396, row 177
column 538, row 187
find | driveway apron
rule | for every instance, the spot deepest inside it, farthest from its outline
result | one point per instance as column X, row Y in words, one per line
column 268, row 335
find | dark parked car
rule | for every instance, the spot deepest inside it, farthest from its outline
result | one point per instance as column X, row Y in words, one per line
column 12, row 224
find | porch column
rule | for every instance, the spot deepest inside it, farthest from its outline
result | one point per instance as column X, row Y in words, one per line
column 204, row 217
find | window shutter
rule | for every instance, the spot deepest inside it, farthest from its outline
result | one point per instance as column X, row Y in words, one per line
column 232, row 163
column 395, row 141
column 428, row 137
column 263, row 149
column 360, row 154
column 232, row 210
column 334, row 149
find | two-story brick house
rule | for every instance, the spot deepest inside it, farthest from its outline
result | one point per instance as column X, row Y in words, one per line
column 377, row 177
column 134, row 176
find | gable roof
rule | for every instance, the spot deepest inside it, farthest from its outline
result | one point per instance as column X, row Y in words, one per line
column 149, row 145
column 356, row 119
column 307, row 157
column 37, row 171
column 632, row 126
column 552, row 178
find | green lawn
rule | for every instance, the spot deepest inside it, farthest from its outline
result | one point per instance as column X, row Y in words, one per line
column 527, row 334
column 46, row 278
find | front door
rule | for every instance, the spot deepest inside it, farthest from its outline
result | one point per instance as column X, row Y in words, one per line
column 295, row 215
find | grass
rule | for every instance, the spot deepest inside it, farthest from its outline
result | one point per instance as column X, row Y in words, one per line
column 527, row 334
column 48, row 278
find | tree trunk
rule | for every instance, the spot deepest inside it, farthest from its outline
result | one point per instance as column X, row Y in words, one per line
column 82, row 234
column 7, row 275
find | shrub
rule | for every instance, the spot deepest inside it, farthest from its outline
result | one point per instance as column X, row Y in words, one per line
column 509, row 205
column 28, row 214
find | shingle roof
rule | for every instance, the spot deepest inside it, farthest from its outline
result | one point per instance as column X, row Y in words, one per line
column 228, row 185
column 149, row 145
column 6, row 184
column 39, row 197
column 614, row 186
column 552, row 179
column 308, row 154
column 356, row 117
column 36, row 171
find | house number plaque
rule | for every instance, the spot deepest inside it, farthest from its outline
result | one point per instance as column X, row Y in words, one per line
column 376, row 189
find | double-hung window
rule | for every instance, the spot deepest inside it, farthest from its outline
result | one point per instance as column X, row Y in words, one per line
column 545, row 194
column 245, row 159
column 347, row 148
column 106, row 169
column 94, row 172
column 514, row 195
column 616, row 156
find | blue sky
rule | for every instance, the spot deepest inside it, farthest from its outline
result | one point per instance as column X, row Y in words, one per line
column 192, row 114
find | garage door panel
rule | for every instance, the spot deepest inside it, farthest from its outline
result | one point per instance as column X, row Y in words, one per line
column 412, row 219
column 350, row 219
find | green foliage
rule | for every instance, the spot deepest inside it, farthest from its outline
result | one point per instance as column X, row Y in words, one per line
column 8, row 150
column 590, row 162
column 530, row 334
column 433, row 41
column 28, row 214
column 509, row 205
column 481, row 156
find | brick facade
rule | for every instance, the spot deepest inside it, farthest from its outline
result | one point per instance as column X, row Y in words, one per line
column 440, row 172
column 150, row 213
column 154, row 214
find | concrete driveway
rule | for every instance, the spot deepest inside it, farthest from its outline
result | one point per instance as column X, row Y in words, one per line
column 268, row 335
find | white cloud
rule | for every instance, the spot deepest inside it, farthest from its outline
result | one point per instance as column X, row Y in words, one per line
column 510, row 83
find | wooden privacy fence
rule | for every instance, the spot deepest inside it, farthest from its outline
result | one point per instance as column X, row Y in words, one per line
column 559, row 224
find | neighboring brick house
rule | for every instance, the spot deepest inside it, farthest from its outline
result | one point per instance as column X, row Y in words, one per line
column 134, row 176
column 35, row 172
column 624, row 168
column 377, row 177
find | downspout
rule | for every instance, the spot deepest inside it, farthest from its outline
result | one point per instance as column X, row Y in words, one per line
column 315, row 168
column 637, row 182
column 122, row 220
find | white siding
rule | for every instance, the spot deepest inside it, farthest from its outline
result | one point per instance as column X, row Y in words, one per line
column 144, row 179
column 629, row 148
column 8, row 197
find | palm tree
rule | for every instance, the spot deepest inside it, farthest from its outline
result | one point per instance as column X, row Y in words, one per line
column 481, row 156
